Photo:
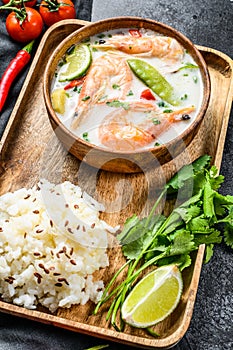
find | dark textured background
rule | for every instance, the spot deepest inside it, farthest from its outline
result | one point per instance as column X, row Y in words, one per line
column 207, row 23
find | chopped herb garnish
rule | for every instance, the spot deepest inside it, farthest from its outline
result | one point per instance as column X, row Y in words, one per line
column 195, row 79
column 157, row 144
column 78, row 89
column 117, row 104
column 86, row 98
column 130, row 93
column 116, row 87
column 85, row 136
column 167, row 111
column 184, row 97
column 155, row 121
column 94, row 49
column 161, row 104
column 185, row 75
column 101, row 36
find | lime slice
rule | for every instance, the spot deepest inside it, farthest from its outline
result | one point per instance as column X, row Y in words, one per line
column 154, row 298
column 58, row 98
column 78, row 63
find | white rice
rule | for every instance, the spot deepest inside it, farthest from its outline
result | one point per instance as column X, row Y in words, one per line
column 51, row 242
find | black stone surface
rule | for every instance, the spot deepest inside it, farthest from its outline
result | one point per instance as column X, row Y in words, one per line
column 207, row 23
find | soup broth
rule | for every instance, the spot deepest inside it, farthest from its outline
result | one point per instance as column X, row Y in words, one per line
column 140, row 90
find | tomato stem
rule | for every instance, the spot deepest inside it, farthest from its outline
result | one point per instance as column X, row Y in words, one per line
column 21, row 13
column 53, row 5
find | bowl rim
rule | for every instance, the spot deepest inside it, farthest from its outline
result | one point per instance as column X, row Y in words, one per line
column 139, row 23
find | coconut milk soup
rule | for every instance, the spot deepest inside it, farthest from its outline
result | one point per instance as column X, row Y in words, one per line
column 140, row 90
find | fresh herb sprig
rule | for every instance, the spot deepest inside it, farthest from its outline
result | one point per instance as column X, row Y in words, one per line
column 161, row 240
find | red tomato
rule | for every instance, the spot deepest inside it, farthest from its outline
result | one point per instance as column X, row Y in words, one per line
column 30, row 29
column 31, row 3
column 135, row 32
column 56, row 10
column 147, row 95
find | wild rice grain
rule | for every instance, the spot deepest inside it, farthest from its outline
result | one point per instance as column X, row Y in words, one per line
column 58, row 284
column 73, row 262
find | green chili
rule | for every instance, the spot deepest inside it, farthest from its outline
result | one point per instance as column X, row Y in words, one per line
column 154, row 80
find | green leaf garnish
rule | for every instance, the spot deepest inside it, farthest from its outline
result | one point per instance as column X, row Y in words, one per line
column 117, row 104
column 160, row 240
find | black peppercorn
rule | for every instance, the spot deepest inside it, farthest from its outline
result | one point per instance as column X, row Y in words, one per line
column 101, row 41
column 185, row 117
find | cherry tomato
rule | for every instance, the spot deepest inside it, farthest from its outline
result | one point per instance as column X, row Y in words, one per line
column 30, row 29
column 147, row 95
column 56, row 10
column 31, row 3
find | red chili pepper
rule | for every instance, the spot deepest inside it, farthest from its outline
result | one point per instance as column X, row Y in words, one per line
column 135, row 32
column 14, row 68
column 75, row 82
column 147, row 95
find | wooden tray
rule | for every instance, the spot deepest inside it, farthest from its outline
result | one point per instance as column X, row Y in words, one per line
column 29, row 151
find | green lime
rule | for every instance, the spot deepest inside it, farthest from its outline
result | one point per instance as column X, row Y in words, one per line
column 58, row 98
column 154, row 298
column 78, row 63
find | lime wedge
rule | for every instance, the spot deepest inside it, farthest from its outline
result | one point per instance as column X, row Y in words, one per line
column 154, row 298
column 58, row 99
column 78, row 63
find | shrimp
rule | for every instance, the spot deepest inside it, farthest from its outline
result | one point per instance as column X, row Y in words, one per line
column 109, row 78
column 119, row 132
column 154, row 46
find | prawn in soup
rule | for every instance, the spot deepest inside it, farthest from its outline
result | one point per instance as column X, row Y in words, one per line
column 139, row 90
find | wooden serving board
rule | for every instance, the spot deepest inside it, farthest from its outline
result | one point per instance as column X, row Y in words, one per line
column 30, row 151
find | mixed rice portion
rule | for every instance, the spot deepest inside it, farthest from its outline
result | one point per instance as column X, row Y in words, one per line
column 51, row 243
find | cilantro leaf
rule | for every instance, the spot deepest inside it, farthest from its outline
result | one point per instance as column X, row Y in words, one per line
column 212, row 236
column 136, row 235
column 208, row 201
column 228, row 235
column 215, row 179
column 187, row 175
column 182, row 243
column 228, row 228
column 182, row 261
column 209, row 251
column 198, row 224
